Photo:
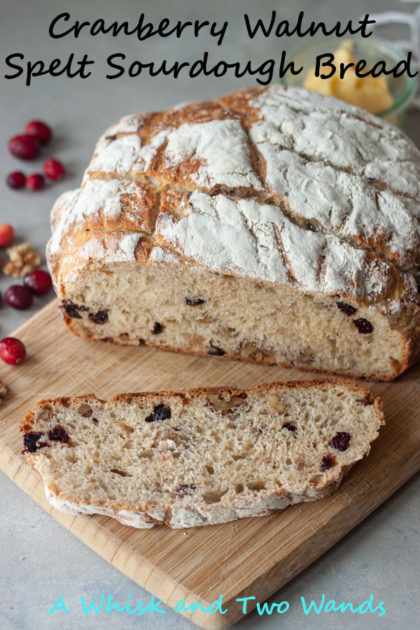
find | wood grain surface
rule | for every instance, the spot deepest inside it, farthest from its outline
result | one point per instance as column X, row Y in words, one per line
column 247, row 557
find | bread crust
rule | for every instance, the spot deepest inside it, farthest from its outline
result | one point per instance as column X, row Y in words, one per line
column 144, row 516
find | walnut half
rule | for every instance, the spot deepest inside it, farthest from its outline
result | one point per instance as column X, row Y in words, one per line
column 225, row 405
column 23, row 260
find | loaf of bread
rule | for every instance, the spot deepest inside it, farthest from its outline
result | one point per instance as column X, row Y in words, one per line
column 202, row 456
column 274, row 225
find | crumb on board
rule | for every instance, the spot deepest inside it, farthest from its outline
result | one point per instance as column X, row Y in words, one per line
column 3, row 391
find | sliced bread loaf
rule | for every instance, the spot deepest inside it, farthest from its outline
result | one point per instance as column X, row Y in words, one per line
column 274, row 225
column 201, row 456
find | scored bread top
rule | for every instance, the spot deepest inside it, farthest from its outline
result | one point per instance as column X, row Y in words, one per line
column 277, row 184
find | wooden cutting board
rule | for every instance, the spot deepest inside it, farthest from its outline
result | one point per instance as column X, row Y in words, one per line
column 248, row 557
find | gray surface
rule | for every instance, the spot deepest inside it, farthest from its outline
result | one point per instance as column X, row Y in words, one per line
column 379, row 556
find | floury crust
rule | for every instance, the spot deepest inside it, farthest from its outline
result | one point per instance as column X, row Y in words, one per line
column 271, row 189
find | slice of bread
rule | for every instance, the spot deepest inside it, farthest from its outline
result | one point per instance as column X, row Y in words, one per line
column 202, row 456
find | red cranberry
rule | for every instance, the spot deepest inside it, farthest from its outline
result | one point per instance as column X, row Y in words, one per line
column 363, row 326
column 12, row 351
column 347, row 309
column 186, row 488
column 99, row 318
column 194, row 301
column 290, row 427
column 341, row 441
column 58, row 434
column 38, row 281
column 160, row 412
column 19, row 297
column 31, row 442
column 16, row 179
column 53, row 169
column 6, row 235
column 40, row 130
column 24, row 147
column 215, row 349
column 327, row 462
column 158, row 328
column 35, row 181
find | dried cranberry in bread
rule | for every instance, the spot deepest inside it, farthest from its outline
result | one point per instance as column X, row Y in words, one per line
column 273, row 225
column 199, row 457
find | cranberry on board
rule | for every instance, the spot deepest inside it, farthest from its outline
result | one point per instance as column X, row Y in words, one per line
column 6, row 235
column 12, row 351
column 38, row 281
column 53, row 169
column 39, row 130
column 16, row 179
column 19, row 297
column 35, row 181
column 24, row 147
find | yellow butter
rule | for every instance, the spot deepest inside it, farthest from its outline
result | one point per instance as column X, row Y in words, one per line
column 370, row 93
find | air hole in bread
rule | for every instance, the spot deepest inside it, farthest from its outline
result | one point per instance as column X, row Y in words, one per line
column 256, row 485
column 213, row 497
column 122, row 473
column 124, row 429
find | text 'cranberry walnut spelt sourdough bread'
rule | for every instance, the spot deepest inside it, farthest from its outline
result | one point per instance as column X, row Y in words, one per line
column 273, row 225
column 199, row 457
